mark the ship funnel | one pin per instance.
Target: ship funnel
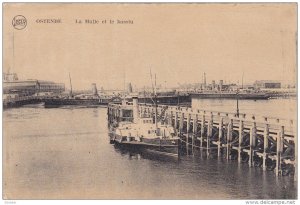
(135, 109)
(94, 89)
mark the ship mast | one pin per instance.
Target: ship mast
(155, 103)
(243, 80)
(237, 104)
(71, 91)
(144, 95)
(155, 99)
(237, 98)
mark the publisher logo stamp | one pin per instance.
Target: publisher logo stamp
(19, 22)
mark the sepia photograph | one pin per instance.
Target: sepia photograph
(148, 101)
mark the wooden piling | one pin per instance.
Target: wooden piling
(241, 135)
(167, 114)
(296, 154)
(188, 124)
(266, 142)
(279, 146)
(252, 143)
(170, 117)
(181, 122)
(209, 134)
(229, 137)
(176, 121)
(202, 130)
(220, 136)
(195, 126)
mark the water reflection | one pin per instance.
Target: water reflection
(137, 154)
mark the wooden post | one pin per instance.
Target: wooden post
(202, 130)
(176, 121)
(152, 112)
(296, 153)
(194, 131)
(241, 134)
(108, 114)
(266, 141)
(252, 143)
(229, 137)
(170, 118)
(188, 124)
(166, 117)
(279, 150)
(181, 121)
(209, 134)
(141, 111)
(220, 136)
(166, 120)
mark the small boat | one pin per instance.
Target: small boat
(145, 134)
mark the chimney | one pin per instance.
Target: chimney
(221, 85)
(213, 84)
(129, 88)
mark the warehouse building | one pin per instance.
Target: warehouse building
(11, 84)
(262, 84)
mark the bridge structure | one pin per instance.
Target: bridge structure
(266, 142)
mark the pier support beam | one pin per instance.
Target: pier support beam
(181, 122)
(296, 154)
(209, 134)
(266, 142)
(229, 138)
(241, 135)
(188, 124)
(170, 118)
(166, 117)
(279, 146)
(202, 130)
(220, 136)
(252, 143)
(195, 126)
(176, 121)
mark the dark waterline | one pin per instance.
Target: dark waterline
(65, 153)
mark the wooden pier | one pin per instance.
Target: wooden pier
(269, 143)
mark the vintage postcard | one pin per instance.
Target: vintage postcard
(150, 101)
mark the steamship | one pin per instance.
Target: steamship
(145, 134)
(231, 95)
(85, 101)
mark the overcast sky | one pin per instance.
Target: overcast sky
(178, 42)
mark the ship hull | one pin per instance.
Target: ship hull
(54, 103)
(254, 96)
(167, 100)
(164, 147)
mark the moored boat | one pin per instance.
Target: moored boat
(88, 102)
(145, 134)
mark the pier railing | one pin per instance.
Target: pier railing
(268, 142)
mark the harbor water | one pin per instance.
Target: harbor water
(65, 153)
